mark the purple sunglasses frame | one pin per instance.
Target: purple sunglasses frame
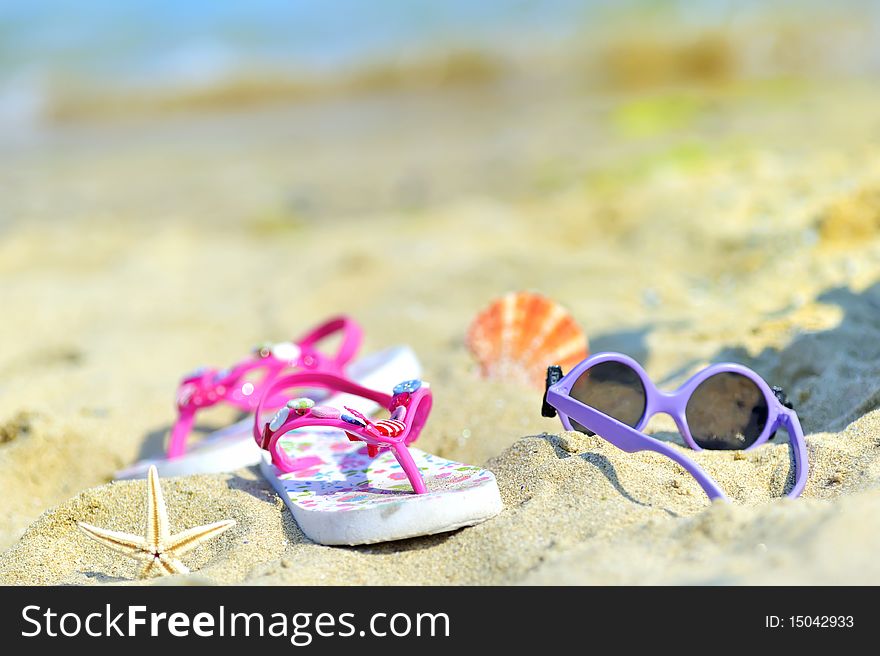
(674, 404)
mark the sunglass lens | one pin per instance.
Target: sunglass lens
(613, 388)
(727, 411)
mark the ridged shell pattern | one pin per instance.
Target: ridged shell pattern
(520, 334)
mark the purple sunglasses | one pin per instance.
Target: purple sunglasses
(725, 406)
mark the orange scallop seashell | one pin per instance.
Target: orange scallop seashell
(520, 334)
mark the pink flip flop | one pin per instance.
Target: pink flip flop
(349, 479)
(243, 386)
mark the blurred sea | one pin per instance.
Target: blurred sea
(51, 50)
(52, 46)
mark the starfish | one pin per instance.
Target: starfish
(160, 551)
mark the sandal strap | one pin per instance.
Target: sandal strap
(392, 434)
(208, 387)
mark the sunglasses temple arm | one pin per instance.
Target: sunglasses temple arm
(709, 486)
(629, 439)
(799, 446)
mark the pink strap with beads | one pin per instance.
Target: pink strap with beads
(409, 405)
(208, 387)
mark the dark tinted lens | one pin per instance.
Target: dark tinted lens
(613, 388)
(726, 411)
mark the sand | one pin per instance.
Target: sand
(134, 251)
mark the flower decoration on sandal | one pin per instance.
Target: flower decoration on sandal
(409, 407)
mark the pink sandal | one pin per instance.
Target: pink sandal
(348, 479)
(243, 386)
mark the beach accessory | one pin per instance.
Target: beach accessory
(243, 386)
(349, 479)
(518, 335)
(725, 406)
(158, 550)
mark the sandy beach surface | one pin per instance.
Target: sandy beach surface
(732, 221)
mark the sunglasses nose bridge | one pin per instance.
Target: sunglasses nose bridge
(667, 403)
